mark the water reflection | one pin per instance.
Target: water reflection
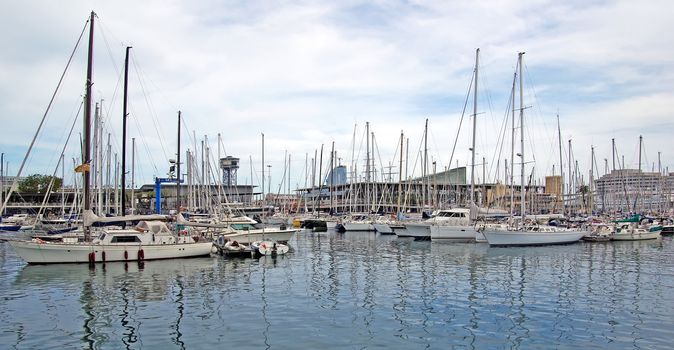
(351, 291)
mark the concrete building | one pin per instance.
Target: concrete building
(631, 190)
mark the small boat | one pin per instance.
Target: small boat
(499, 235)
(635, 228)
(244, 233)
(630, 231)
(358, 223)
(229, 247)
(269, 248)
(600, 233)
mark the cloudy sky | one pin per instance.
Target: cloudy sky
(305, 73)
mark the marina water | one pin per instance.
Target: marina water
(351, 291)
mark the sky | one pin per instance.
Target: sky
(309, 73)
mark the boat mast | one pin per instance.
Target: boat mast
(320, 180)
(400, 172)
(133, 175)
(571, 177)
(263, 210)
(332, 173)
(512, 148)
(424, 171)
(472, 150)
(367, 165)
(561, 165)
(124, 116)
(641, 140)
(178, 170)
(86, 157)
(591, 185)
(523, 189)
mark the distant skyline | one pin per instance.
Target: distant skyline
(305, 72)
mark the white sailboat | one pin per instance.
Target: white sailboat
(149, 240)
(527, 234)
(459, 225)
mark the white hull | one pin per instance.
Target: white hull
(54, 253)
(358, 226)
(251, 236)
(383, 228)
(452, 233)
(637, 236)
(420, 231)
(331, 224)
(523, 238)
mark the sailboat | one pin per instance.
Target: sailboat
(148, 240)
(522, 233)
(459, 225)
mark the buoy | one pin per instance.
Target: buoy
(103, 256)
(141, 255)
(92, 258)
(126, 255)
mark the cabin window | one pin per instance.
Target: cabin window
(125, 239)
(102, 236)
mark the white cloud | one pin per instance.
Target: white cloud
(304, 72)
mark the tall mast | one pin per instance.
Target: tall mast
(400, 172)
(523, 189)
(263, 173)
(178, 170)
(512, 147)
(99, 156)
(320, 180)
(571, 177)
(424, 179)
(86, 156)
(124, 116)
(367, 165)
(472, 150)
(133, 175)
(332, 173)
(641, 139)
(561, 165)
(591, 200)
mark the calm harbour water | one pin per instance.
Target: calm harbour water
(351, 291)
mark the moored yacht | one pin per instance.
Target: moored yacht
(148, 240)
(457, 227)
